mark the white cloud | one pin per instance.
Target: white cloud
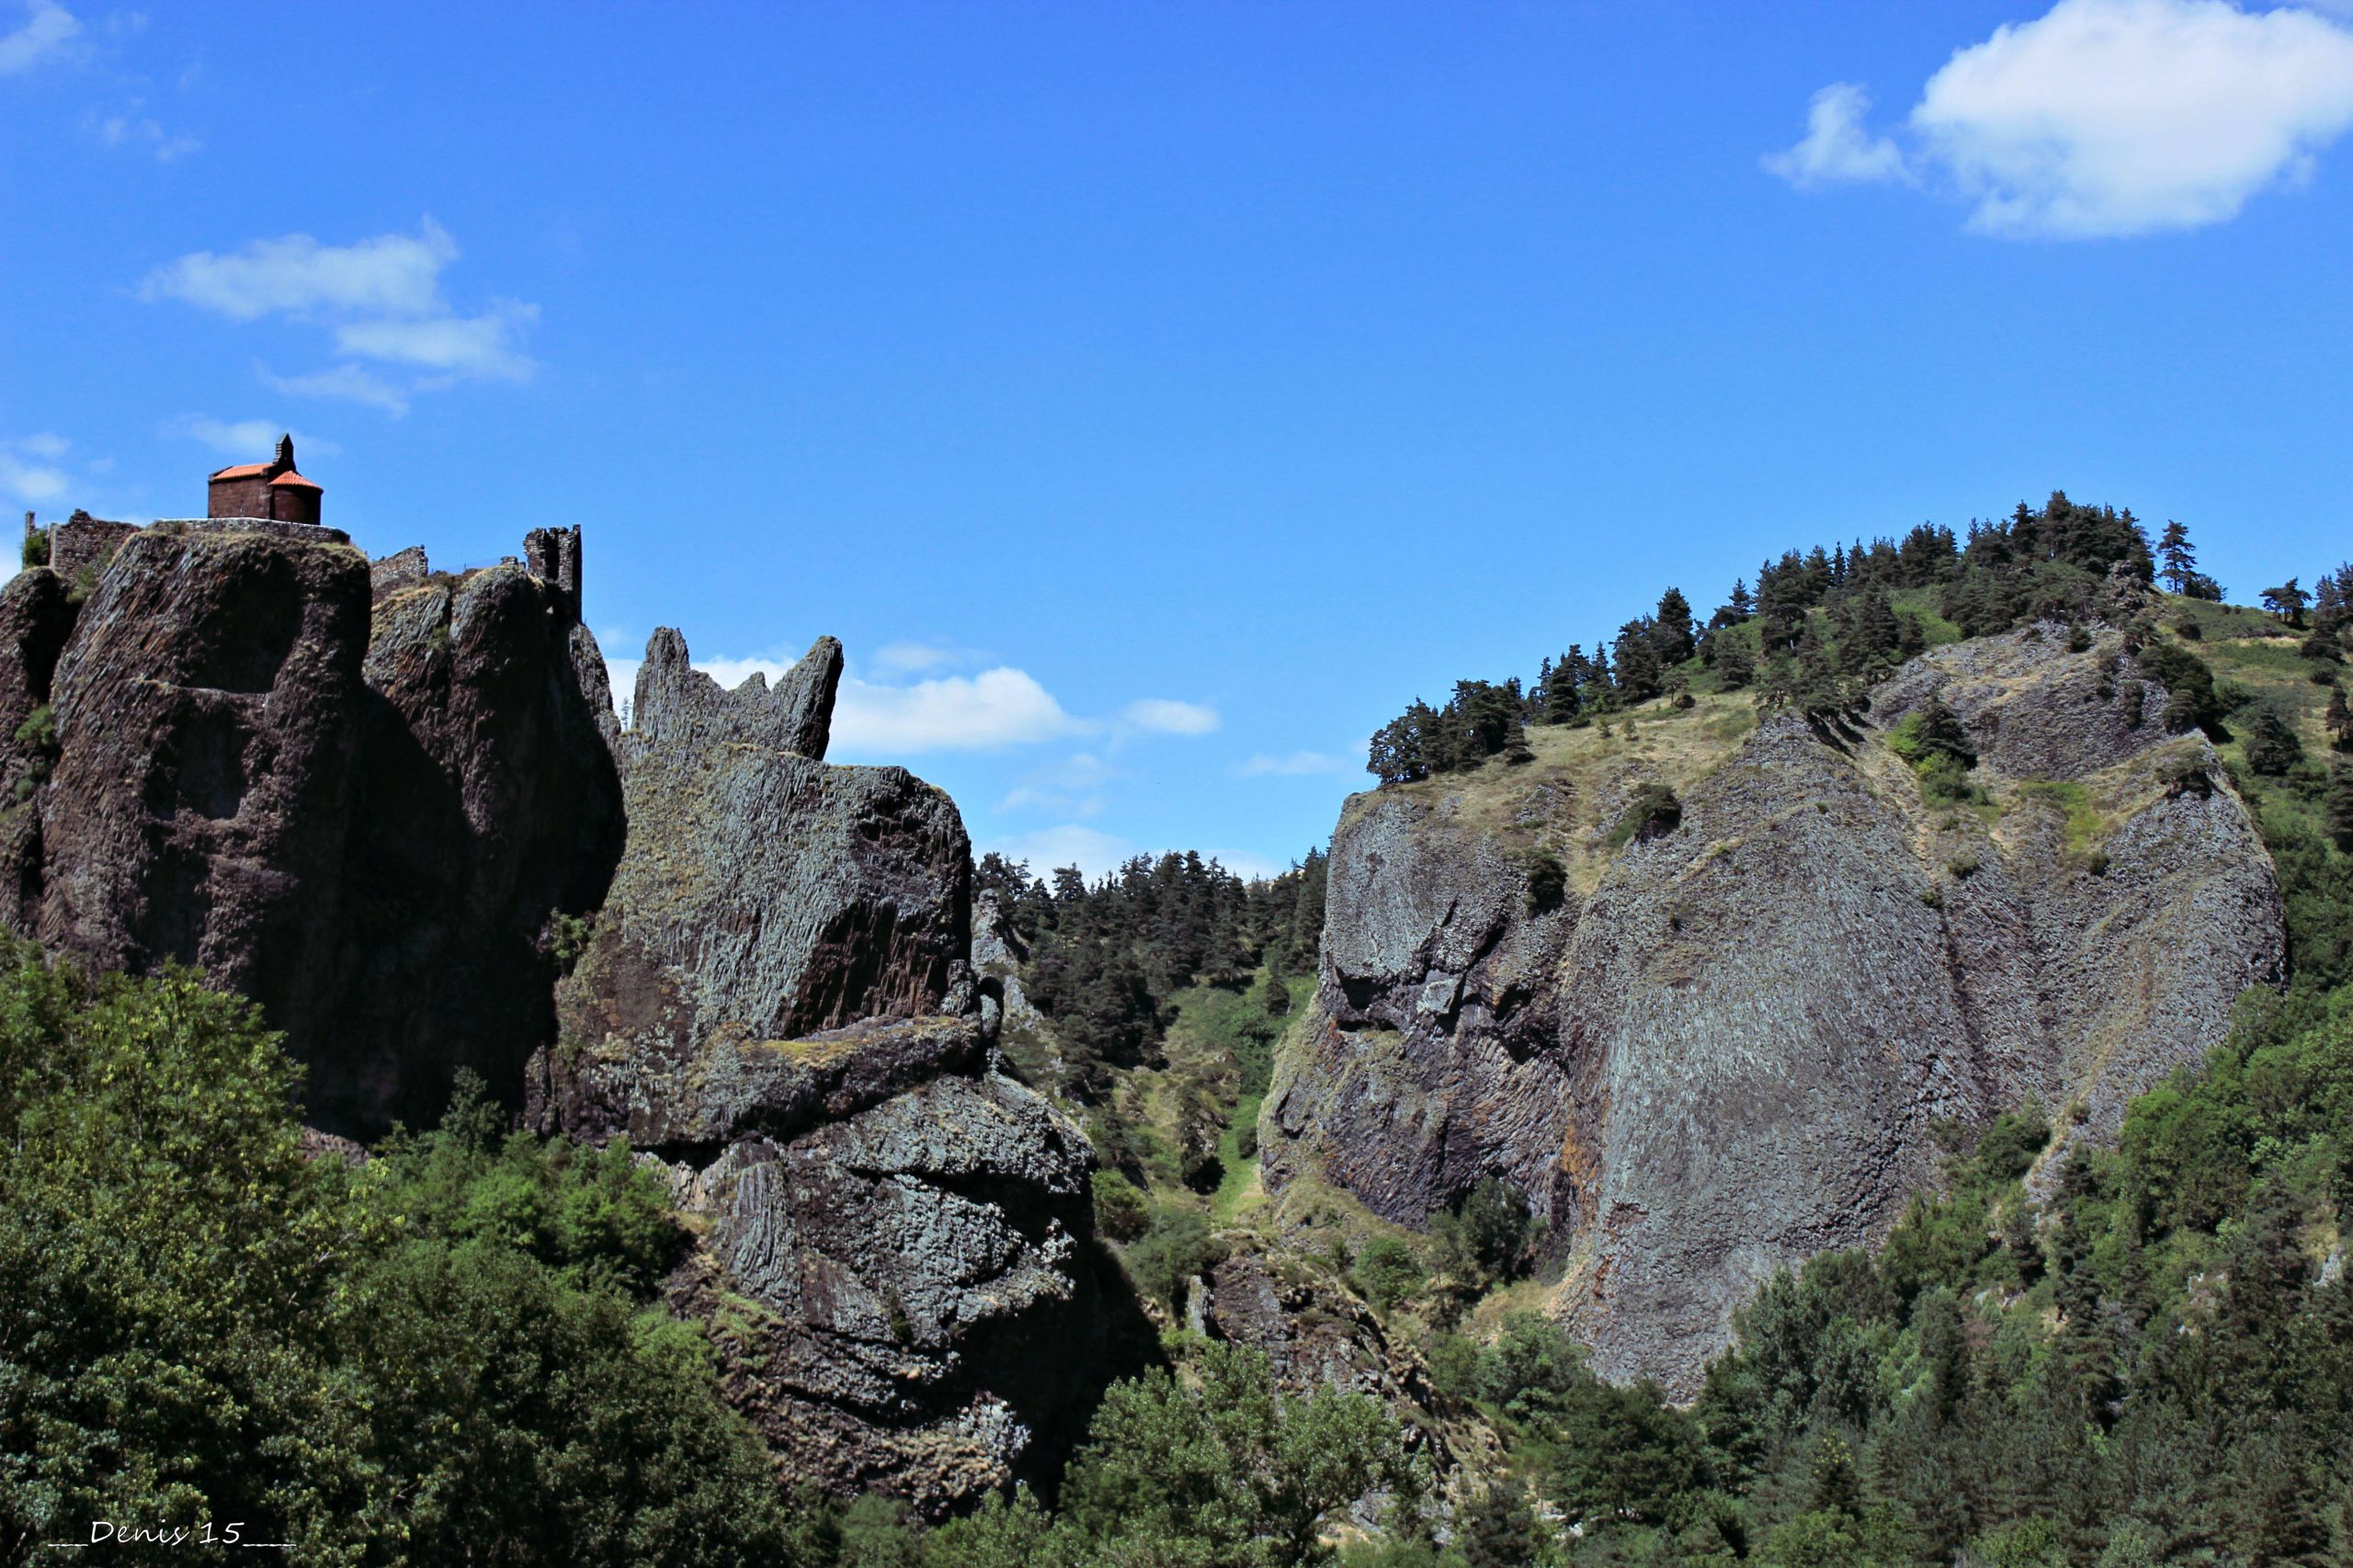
(355, 383)
(996, 708)
(391, 275)
(380, 299)
(130, 128)
(1164, 716)
(486, 346)
(2109, 117)
(34, 482)
(48, 27)
(913, 658)
(43, 444)
(2120, 116)
(1295, 764)
(1835, 148)
(248, 439)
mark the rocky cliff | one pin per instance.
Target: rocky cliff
(897, 1244)
(394, 807)
(1726, 1046)
(363, 810)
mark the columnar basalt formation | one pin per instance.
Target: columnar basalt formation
(778, 1002)
(1724, 1051)
(360, 798)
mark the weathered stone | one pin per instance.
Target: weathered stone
(365, 823)
(207, 713)
(1727, 1055)
(396, 572)
(907, 1298)
(486, 805)
(777, 1002)
(678, 709)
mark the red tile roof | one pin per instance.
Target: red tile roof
(242, 470)
(291, 477)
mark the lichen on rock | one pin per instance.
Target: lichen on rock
(1723, 1052)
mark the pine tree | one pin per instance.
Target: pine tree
(1735, 667)
(1671, 628)
(1639, 668)
(2340, 804)
(2286, 601)
(1562, 701)
(2179, 556)
(2272, 745)
(2339, 719)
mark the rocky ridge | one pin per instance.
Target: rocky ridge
(777, 1004)
(1727, 1047)
(394, 806)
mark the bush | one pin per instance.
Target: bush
(1122, 1211)
(1178, 1249)
(1386, 1272)
(2192, 701)
(36, 551)
(1548, 882)
(1653, 812)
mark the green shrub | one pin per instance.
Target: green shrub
(1653, 812)
(1178, 1249)
(1547, 881)
(1386, 1272)
(1121, 1210)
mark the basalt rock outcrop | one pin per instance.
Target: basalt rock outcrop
(777, 1003)
(363, 810)
(1725, 1048)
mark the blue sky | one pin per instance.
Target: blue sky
(1156, 398)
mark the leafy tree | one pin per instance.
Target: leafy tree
(1210, 1466)
(1387, 1271)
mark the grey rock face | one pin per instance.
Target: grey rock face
(677, 708)
(1726, 1056)
(924, 1316)
(485, 805)
(777, 1003)
(356, 801)
(207, 710)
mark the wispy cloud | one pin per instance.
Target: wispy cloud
(1090, 849)
(380, 300)
(131, 127)
(487, 346)
(28, 468)
(355, 383)
(915, 658)
(1071, 788)
(1295, 764)
(1097, 853)
(47, 29)
(2108, 117)
(247, 438)
(1837, 148)
(1165, 716)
